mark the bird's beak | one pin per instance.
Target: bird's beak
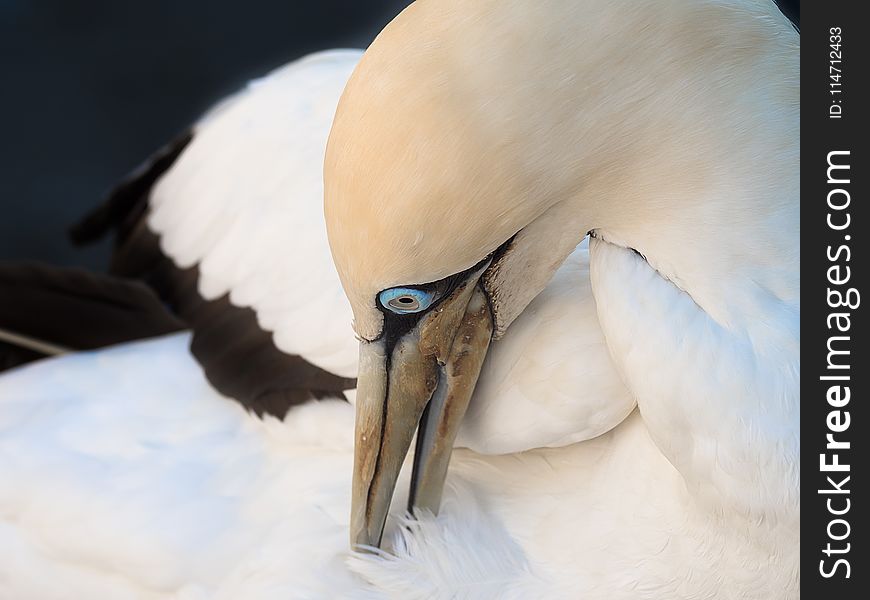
(423, 378)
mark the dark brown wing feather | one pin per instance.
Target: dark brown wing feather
(75, 309)
(12, 356)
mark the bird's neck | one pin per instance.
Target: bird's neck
(681, 142)
(698, 170)
(684, 147)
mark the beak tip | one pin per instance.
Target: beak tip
(365, 540)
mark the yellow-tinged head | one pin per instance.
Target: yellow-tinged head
(478, 142)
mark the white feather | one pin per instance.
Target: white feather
(124, 475)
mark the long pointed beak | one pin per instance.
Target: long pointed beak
(424, 378)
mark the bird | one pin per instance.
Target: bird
(473, 149)
(478, 145)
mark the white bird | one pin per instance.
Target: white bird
(473, 149)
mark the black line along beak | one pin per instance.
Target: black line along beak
(421, 382)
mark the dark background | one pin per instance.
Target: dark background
(91, 87)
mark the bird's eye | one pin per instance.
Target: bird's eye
(406, 300)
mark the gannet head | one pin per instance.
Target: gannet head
(473, 148)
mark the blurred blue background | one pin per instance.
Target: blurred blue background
(91, 87)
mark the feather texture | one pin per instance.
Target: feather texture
(170, 491)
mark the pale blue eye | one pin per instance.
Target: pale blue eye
(406, 300)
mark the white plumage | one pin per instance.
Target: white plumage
(104, 495)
